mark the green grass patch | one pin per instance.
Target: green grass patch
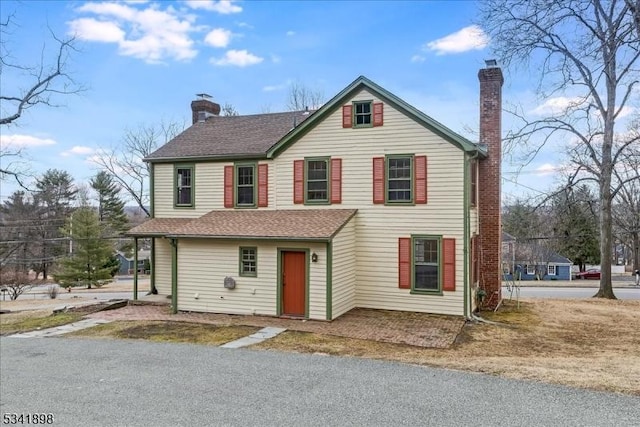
(21, 322)
(168, 331)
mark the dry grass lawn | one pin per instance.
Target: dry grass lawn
(195, 333)
(583, 343)
(14, 323)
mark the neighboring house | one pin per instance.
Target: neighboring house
(127, 264)
(532, 261)
(366, 202)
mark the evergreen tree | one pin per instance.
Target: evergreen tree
(110, 207)
(91, 253)
(54, 196)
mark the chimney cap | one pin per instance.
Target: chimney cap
(491, 63)
(203, 96)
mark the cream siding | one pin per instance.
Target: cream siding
(344, 270)
(204, 263)
(379, 226)
(163, 266)
(209, 189)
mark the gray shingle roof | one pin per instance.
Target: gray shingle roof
(229, 136)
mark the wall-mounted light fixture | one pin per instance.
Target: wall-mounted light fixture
(314, 257)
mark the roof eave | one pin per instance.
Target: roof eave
(236, 237)
(218, 158)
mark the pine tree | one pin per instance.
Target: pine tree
(110, 207)
(91, 252)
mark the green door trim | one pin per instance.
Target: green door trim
(306, 285)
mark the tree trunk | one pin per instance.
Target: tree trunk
(636, 251)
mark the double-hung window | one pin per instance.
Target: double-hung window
(551, 270)
(245, 185)
(426, 264)
(249, 262)
(184, 181)
(399, 179)
(317, 183)
(362, 114)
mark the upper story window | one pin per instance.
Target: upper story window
(317, 182)
(362, 113)
(184, 179)
(245, 185)
(399, 179)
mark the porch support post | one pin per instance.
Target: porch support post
(174, 275)
(135, 268)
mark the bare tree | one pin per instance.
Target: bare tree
(302, 97)
(43, 82)
(229, 110)
(626, 210)
(586, 51)
(15, 281)
(124, 162)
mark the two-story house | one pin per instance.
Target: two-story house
(366, 202)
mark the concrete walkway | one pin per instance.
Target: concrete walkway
(61, 330)
(262, 335)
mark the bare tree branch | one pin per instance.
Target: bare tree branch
(583, 49)
(124, 162)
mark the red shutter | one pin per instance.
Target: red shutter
(263, 185)
(336, 180)
(378, 180)
(377, 114)
(449, 264)
(404, 263)
(347, 120)
(298, 181)
(228, 186)
(421, 179)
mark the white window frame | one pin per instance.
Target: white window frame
(531, 270)
(552, 270)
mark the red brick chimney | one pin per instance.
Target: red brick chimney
(204, 108)
(489, 200)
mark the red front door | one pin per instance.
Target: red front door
(293, 283)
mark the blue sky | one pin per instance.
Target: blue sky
(142, 62)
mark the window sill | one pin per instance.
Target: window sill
(248, 275)
(426, 292)
(184, 206)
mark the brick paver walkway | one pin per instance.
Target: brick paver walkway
(418, 329)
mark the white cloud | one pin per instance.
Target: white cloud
(78, 150)
(238, 58)
(626, 111)
(291, 33)
(273, 88)
(245, 25)
(546, 169)
(219, 37)
(98, 31)
(148, 33)
(418, 58)
(224, 7)
(468, 38)
(557, 106)
(18, 140)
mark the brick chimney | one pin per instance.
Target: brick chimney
(203, 108)
(489, 200)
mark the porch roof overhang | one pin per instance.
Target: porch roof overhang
(290, 224)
